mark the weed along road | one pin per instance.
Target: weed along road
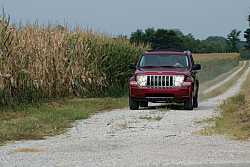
(148, 137)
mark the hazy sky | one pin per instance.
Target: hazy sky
(199, 17)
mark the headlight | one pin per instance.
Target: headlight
(178, 80)
(141, 80)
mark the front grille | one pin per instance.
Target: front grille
(160, 81)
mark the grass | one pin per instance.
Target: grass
(52, 118)
(207, 84)
(215, 64)
(234, 120)
(221, 89)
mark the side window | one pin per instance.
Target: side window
(140, 60)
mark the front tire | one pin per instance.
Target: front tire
(144, 104)
(189, 104)
(133, 104)
(195, 102)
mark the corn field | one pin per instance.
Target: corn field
(216, 56)
(46, 62)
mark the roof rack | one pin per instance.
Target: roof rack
(169, 49)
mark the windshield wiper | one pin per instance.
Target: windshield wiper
(161, 67)
(168, 66)
(172, 67)
(148, 66)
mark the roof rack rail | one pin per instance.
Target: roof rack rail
(167, 49)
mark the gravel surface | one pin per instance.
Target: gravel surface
(121, 138)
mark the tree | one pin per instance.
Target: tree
(137, 37)
(149, 35)
(161, 38)
(217, 44)
(167, 39)
(189, 42)
(175, 39)
(247, 35)
(233, 38)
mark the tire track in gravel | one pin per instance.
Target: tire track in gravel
(210, 89)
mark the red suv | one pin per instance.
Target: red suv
(164, 77)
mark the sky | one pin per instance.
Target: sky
(202, 18)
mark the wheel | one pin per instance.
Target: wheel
(144, 104)
(189, 105)
(195, 102)
(133, 105)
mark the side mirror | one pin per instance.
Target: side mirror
(132, 66)
(196, 67)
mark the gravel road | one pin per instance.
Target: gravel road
(147, 138)
(213, 87)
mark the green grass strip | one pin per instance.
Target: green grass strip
(223, 88)
(53, 118)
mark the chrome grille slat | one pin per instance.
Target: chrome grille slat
(152, 81)
(160, 81)
(155, 80)
(173, 81)
(168, 81)
(163, 81)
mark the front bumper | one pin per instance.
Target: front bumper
(169, 95)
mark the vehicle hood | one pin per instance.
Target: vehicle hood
(163, 71)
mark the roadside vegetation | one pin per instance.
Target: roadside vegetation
(48, 75)
(215, 64)
(206, 85)
(40, 63)
(37, 121)
(234, 120)
(225, 86)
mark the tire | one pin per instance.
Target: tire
(189, 105)
(195, 102)
(133, 105)
(144, 104)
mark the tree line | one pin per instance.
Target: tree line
(247, 35)
(175, 39)
(245, 52)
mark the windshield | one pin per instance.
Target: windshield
(176, 61)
